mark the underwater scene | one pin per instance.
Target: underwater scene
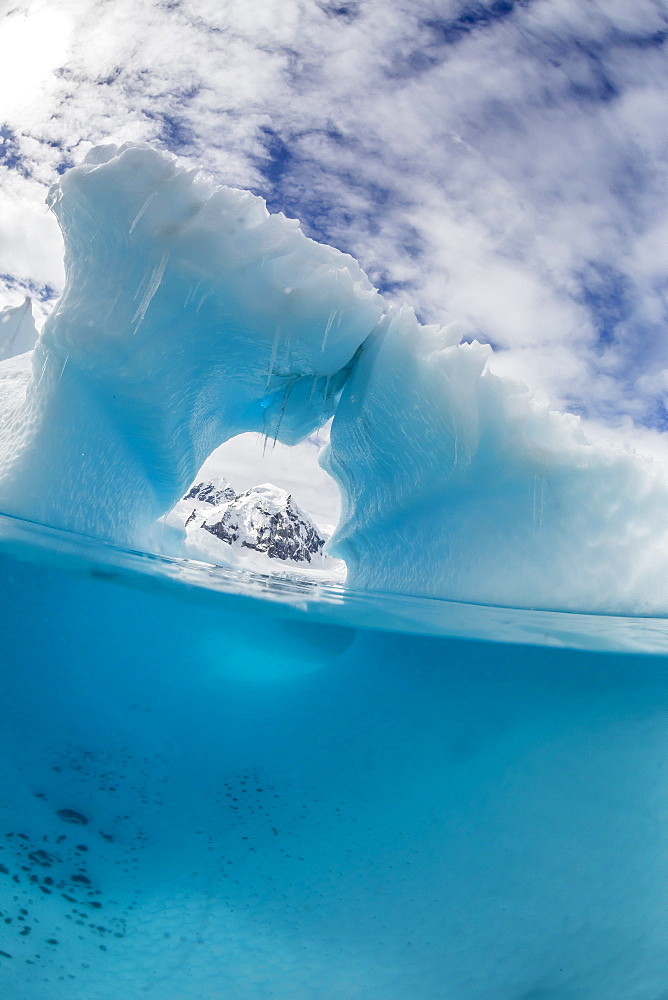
(222, 785)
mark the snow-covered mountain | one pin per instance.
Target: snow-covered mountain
(199, 501)
(262, 529)
(211, 494)
(266, 519)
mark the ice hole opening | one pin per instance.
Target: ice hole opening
(263, 505)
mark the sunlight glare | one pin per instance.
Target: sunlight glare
(33, 44)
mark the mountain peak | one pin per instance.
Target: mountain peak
(266, 519)
(213, 493)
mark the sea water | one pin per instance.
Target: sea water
(215, 786)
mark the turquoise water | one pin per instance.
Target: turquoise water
(225, 787)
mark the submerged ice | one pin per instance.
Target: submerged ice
(190, 315)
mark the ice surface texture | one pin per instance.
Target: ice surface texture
(191, 315)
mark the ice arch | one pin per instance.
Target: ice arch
(190, 314)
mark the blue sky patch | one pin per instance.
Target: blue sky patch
(10, 155)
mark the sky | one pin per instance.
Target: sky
(500, 163)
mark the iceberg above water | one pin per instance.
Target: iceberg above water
(191, 315)
(18, 332)
(457, 483)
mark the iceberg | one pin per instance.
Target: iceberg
(457, 483)
(217, 784)
(18, 332)
(191, 315)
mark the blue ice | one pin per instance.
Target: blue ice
(289, 791)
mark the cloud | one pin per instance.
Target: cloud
(33, 43)
(30, 244)
(495, 162)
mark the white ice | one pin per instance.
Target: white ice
(17, 330)
(459, 484)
